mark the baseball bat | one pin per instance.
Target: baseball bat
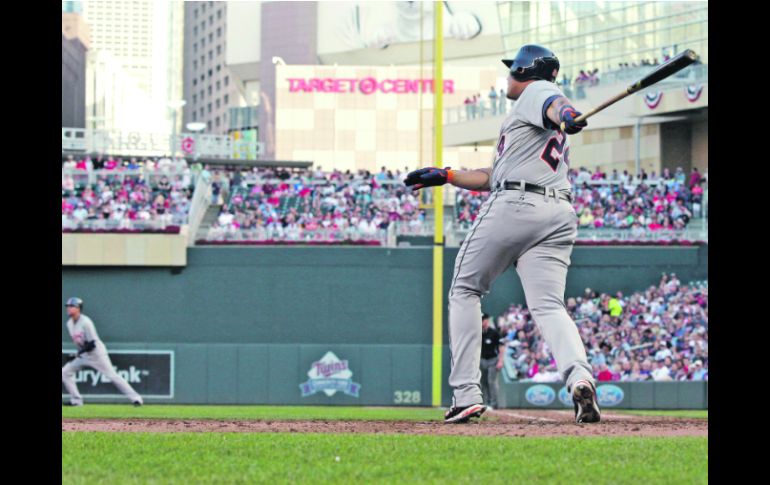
(671, 66)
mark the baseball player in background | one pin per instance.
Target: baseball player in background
(527, 221)
(91, 353)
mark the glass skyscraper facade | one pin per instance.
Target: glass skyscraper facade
(602, 35)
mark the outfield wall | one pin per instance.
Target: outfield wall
(367, 375)
(246, 325)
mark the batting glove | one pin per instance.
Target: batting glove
(428, 177)
(567, 115)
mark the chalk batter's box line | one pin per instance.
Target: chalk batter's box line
(148, 352)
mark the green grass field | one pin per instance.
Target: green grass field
(171, 458)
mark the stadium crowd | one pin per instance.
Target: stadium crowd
(620, 201)
(264, 203)
(111, 193)
(659, 334)
(313, 205)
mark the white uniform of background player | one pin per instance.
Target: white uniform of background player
(91, 353)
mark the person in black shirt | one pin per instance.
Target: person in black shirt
(492, 354)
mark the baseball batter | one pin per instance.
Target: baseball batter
(528, 221)
(91, 353)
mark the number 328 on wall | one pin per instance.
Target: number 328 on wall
(406, 397)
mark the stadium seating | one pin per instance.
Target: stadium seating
(126, 197)
(657, 334)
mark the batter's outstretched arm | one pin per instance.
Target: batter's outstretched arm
(433, 176)
(472, 179)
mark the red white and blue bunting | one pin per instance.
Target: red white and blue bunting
(693, 92)
(652, 99)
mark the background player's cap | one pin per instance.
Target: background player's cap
(74, 301)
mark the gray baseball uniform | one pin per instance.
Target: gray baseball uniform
(81, 332)
(533, 232)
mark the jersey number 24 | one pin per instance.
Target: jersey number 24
(554, 151)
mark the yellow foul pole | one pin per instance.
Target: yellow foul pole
(438, 203)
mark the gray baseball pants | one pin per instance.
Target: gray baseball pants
(99, 360)
(535, 233)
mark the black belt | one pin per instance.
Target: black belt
(534, 188)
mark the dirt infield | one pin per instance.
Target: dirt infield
(504, 423)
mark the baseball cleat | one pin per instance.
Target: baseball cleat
(463, 415)
(586, 407)
(137, 404)
(71, 404)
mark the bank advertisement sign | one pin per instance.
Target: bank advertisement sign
(149, 372)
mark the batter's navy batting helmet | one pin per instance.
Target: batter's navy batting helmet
(533, 62)
(75, 301)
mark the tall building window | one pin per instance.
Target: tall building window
(219, 14)
(208, 124)
(210, 73)
(195, 47)
(195, 64)
(216, 120)
(209, 108)
(195, 14)
(203, 42)
(195, 116)
(195, 98)
(195, 82)
(219, 31)
(211, 55)
(227, 80)
(227, 99)
(218, 67)
(219, 50)
(209, 90)
(219, 85)
(211, 37)
(211, 20)
(217, 103)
